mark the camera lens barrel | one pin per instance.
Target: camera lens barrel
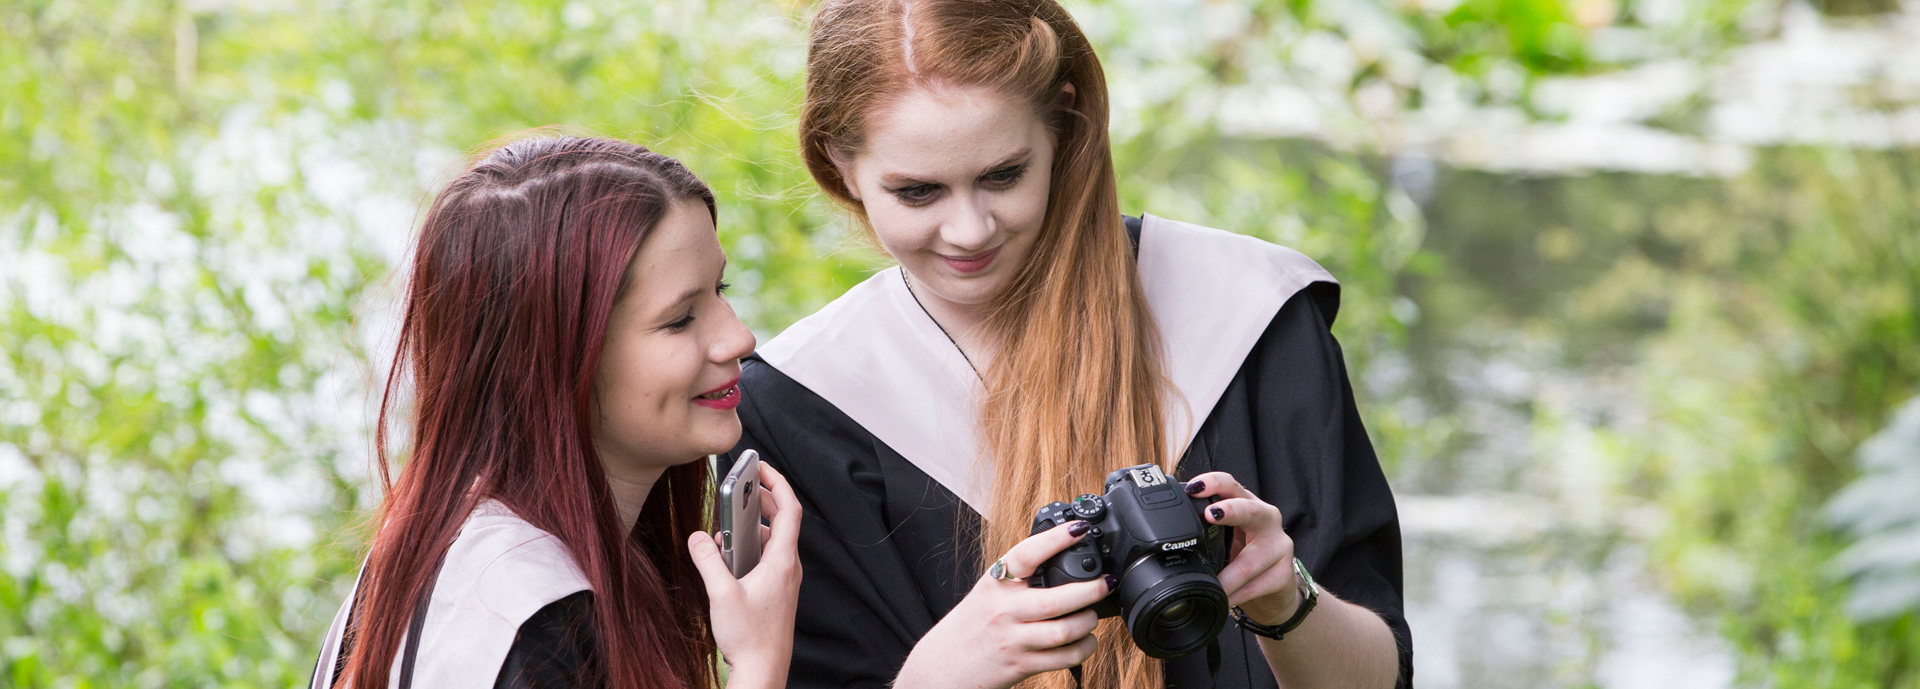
(1172, 604)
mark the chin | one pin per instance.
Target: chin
(718, 437)
(970, 290)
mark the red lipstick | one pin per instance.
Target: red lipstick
(971, 264)
(723, 398)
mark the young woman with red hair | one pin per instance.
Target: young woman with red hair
(1032, 340)
(573, 362)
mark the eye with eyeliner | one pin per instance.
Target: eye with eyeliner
(1005, 177)
(680, 324)
(916, 194)
(922, 194)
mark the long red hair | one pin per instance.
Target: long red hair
(515, 273)
(1054, 425)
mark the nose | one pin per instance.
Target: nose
(971, 225)
(735, 341)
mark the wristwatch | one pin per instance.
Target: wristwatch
(1309, 594)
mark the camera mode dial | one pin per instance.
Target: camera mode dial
(1089, 507)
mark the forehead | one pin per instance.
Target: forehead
(682, 250)
(927, 132)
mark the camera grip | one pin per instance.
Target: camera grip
(1078, 562)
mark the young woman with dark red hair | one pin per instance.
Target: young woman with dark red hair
(573, 361)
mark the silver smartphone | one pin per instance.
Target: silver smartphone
(736, 515)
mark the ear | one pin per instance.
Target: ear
(1068, 96)
(845, 168)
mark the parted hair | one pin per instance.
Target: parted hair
(1075, 388)
(515, 274)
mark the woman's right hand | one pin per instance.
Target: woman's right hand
(1004, 631)
(752, 616)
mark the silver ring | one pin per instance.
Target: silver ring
(999, 571)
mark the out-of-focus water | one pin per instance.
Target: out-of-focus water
(1560, 609)
(1523, 568)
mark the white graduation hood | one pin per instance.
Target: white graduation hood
(878, 357)
(499, 572)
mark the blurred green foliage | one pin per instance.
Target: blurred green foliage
(1766, 325)
(202, 206)
(1795, 313)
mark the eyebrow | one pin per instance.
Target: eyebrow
(896, 179)
(690, 294)
(686, 297)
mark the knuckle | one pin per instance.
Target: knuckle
(1060, 635)
(998, 613)
(1085, 648)
(1013, 648)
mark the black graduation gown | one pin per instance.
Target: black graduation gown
(887, 551)
(554, 649)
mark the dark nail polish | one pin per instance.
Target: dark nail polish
(1078, 529)
(1216, 512)
(1194, 487)
(1113, 582)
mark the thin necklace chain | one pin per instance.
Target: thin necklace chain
(936, 324)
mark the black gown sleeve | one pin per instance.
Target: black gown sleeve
(554, 649)
(1288, 429)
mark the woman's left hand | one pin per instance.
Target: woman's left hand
(752, 616)
(1259, 574)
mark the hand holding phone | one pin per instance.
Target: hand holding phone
(737, 515)
(752, 615)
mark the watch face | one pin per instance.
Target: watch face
(1306, 580)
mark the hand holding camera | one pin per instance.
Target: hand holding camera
(1260, 577)
(1180, 562)
(1170, 559)
(1005, 631)
(1151, 536)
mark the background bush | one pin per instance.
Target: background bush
(201, 206)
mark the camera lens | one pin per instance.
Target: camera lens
(1187, 623)
(1172, 604)
(1176, 614)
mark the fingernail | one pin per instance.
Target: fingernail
(1078, 529)
(1113, 582)
(1217, 512)
(1194, 487)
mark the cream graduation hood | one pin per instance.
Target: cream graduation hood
(878, 357)
(499, 571)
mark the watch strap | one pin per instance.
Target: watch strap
(1309, 595)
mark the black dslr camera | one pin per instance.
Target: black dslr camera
(1149, 533)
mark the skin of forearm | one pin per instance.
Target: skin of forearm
(1339, 646)
(757, 677)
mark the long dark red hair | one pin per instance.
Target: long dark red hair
(517, 268)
